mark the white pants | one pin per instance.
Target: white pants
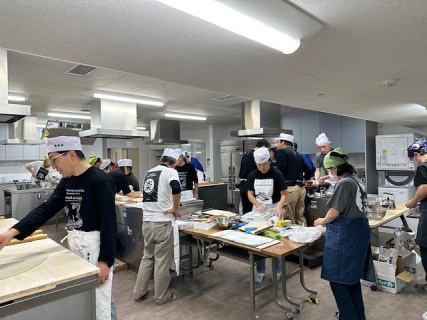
(87, 246)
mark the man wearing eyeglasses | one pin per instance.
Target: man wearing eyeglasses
(87, 195)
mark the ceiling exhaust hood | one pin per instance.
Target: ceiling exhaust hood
(9, 113)
(165, 132)
(113, 119)
(22, 132)
(260, 119)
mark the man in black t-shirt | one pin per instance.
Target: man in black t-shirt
(295, 171)
(247, 165)
(122, 184)
(266, 186)
(125, 165)
(87, 195)
(187, 176)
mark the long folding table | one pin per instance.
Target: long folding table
(208, 242)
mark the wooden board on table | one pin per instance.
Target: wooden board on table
(221, 213)
(261, 227)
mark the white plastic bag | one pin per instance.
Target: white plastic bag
(305, 235)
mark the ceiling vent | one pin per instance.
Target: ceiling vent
(80, 70)
(226, 97)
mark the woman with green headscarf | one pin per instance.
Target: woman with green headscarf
(347, 250)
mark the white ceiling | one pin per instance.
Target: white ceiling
(144, 47)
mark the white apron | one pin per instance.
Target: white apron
(87, 246)
(176, 251)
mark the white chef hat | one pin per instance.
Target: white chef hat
(286, 137)
(173, 153)
(261, 155)
(105, 163)
(124, 163)
(321, 139)
(63, 143)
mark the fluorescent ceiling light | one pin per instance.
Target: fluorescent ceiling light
(232, 20)
(147, 101)
(141, 128)
(68, 115)
(184, 116)
(16, 97)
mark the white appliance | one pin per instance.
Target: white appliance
(391, 152)
(401, 195)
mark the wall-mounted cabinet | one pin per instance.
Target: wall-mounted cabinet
(348, 133)
(31, 152)
(310, 129)
(14, 152)
(353, 135)
(22, 152)
(331, 125)
(2, 153)
(42, 150)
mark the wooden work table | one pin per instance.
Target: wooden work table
(244, 253)
(61, 280)
(390, 215)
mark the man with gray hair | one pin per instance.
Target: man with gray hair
(324, 146)
(161, 198)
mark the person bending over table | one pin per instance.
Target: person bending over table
(266, 185)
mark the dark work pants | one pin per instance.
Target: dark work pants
(423, 251)
(349, 301)
(246, 204)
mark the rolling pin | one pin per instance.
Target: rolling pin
(29, 239)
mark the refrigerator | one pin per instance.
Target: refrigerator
(231, 157)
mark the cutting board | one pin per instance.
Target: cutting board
(261, 227)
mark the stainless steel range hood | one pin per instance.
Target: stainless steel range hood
(22, 132)
(9, 113)
(260, 119)
(165, 132)
(113, 119)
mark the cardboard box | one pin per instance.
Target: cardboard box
(413, 264)
(392, 278)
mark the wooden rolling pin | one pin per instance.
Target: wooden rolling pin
(29, 239)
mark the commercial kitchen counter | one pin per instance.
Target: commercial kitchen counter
(50, 290)
(130, 240)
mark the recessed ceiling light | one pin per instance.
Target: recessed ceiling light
(68, 115)
(184, 116)
(136, 99)
(16, 97)
(254, 28)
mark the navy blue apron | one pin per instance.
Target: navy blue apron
(347, 255)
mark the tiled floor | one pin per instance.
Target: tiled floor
(223, 293)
